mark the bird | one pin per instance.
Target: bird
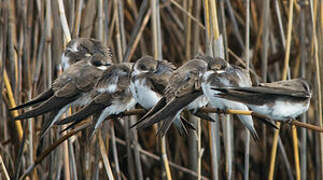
(79, 48)
(281, 100)
(71, 88)
(111, 96)
(183, 91)
(149, 79)
(222, 74)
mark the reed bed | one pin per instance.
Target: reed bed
(275, 40)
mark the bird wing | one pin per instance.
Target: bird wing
(294, 87)
(182, 83)
(169, 111)
(156, 84)
(40, 98)
(99, 102)
(237, 94)
(87, 78)
(160, 104)
(51, 104)
(61, 97)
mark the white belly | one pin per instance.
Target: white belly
(198, 103)
(214, 101)
(115, 108)
(143, 94)
(281, 110)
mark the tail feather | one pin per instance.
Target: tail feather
(40, 98)
(165, 126)
(81, 115)
(187, 124)
(163, 114)
(248, 123)
(97, 121)
(267, 121)
(254, 135)
(180, 126)
(50, 105)
(169, 111)
(203, 115)
(160, 104)
(49, 120)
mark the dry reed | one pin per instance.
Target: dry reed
(34, 33)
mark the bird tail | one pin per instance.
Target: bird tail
(51, 119)
(166, 124)
(40, 98)
(97, 122)
(180, 126)
(248, 123)
(168, 112)
(160, 104)
(203, 115)
(50, 105)
(246, 120)
(187, 124)
(81, 115)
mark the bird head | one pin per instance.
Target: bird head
(80, 48)
(215, 64)
(146, 64)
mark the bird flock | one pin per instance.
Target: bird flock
(105, 90)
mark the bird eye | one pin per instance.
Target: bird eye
(125, 70)
(97, 63)
(143, 67)
(67, 51)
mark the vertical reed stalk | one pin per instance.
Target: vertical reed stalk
(318, 74)
(12, 104)
(247, 150)
(3, 169)
(284, 75)
(157, 52)
(61, 10)
(303, 58)
(115, 152)
(105, 157)
(67, 38)
(199, 150)
(217, 44)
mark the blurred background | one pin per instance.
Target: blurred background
(279, 39)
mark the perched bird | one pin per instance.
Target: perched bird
(111, 96)
(222, 74)
(182, 91)
(79, 48)
(281, 100)
(71, 88)
(148, 82)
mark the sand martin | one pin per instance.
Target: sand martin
(281, 100)
(111, 96)
(79, 48)
(183, 91)
(222, 74)
(148, 82)
(71, 88)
